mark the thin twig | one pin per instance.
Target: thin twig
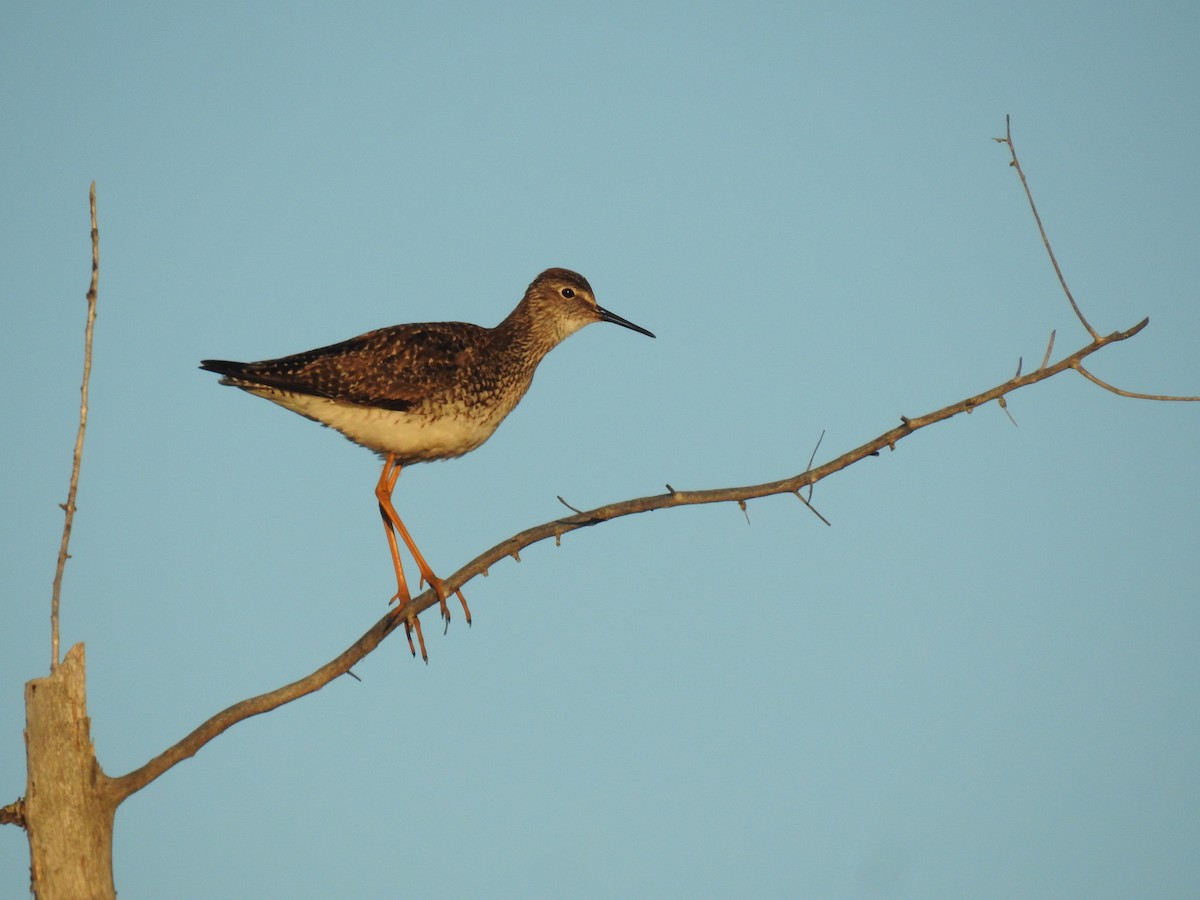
(1078, 367)
(69, 506)
(1007, 139)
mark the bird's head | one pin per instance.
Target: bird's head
(563, 302)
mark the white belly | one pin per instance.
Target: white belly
(412, 437)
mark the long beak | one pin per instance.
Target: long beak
(606, 316)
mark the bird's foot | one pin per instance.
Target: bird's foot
(414, 624)
(439, 588)
(411, 624)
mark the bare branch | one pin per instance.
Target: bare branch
(69, 506)
(1078, 367)
(122, 787)
(119, 788)
(1016, 163)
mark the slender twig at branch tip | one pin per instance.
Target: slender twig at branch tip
(69, 507)
(1049, 348)
(800, 497)
(1078, 367)
(1020, 362)
(569, 506)
(1004, 406)
(1037, 218)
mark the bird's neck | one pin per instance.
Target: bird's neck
(526, 335)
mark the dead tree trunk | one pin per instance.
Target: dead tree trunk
(68, 808)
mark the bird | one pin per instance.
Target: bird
(421, 392)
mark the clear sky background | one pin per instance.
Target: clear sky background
(982, 681)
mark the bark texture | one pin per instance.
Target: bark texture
(68, 810)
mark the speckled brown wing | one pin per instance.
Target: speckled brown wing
(390, 368)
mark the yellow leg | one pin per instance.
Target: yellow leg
(392, 523)
(402, 596)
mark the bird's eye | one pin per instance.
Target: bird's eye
(568, 292)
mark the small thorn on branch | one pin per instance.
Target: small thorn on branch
(1049, 347)
(813, 456)
(812, 508)
(745, 512)
(569, 506)
(1004, 406)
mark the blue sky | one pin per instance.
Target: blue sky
(981, 681)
